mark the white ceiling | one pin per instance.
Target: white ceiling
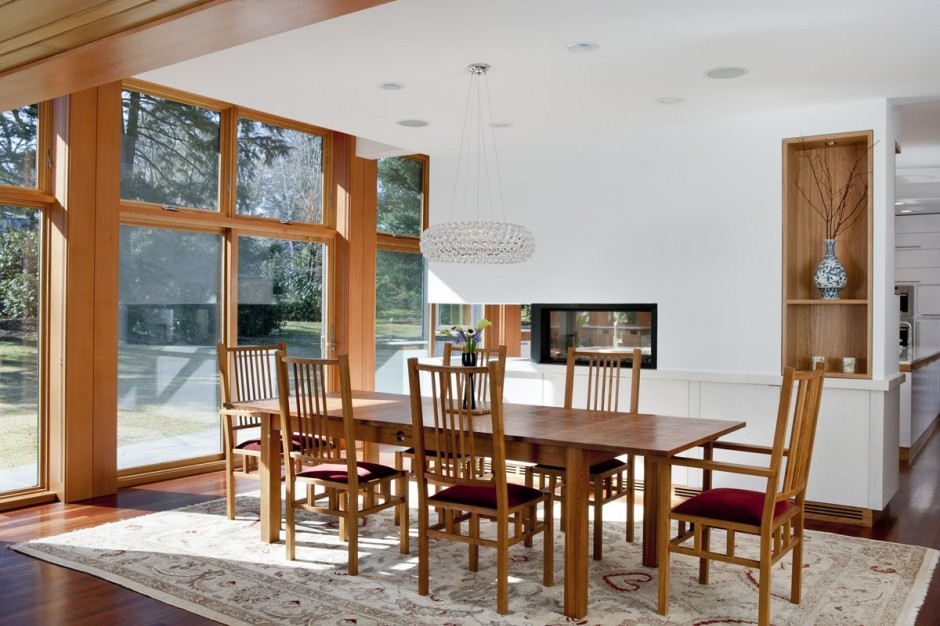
(800, 53)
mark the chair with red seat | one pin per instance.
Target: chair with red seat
(246, 373)
(329, 469)
(774, 514)
(612, 479)
(447, 462)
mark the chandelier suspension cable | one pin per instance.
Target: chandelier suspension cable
(476, 239)
(499, 178)
(464, 132)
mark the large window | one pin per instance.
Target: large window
(400, 329)
(18, 146)
(400, 196)
(177, 264)
(280, 294)
(168, 327)
(19, 347)
(169, 152)
(280, 172)
(400, 274)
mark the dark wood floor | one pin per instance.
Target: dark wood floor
(34, 592)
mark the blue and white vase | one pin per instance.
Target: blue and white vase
(830, 276)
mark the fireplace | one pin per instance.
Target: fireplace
(611, 328)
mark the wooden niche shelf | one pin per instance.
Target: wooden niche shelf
(813, 326)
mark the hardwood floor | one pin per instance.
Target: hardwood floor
(34, 592)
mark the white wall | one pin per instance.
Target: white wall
(688, 217)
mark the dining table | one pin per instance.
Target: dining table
(571, 438)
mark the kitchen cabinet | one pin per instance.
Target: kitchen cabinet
(928, 303)
(927, 332)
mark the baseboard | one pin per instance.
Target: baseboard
(909, 454)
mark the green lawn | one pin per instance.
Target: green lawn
(19, 400)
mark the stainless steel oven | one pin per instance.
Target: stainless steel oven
(906, 300)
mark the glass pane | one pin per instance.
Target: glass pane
(449, 315)
(400, 196)
(168, 327)
(280, 173)
(280, 294)
(400, 303)
(19, 347)
(526, 337)
(169, 152)
(19, 129)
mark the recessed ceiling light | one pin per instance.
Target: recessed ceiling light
(502, 125)
(670, 100)
(722, 73)
(907, 210)
(392, 86)
(898, 203)
(413, 123)
(582, 46)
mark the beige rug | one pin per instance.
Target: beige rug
(196, 559)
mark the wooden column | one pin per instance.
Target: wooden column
(83, 300)
(355, 264)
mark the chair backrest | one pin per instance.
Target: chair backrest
(453, 430)
(603, 387)
(797, 417)
(484, 356)
(305, 413)
(248, 372)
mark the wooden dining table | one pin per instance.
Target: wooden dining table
(572, 438)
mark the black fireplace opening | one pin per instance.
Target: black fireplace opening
(615, 328)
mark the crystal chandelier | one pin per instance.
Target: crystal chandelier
(480, 240)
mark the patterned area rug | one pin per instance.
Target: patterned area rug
(198, 560)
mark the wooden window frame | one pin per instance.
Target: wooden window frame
(230, 225)
(42, 199)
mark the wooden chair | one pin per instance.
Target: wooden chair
(246, 373)
(775, 514)
(613, 479)
(466, 494)
(480, 385)
(325, 463)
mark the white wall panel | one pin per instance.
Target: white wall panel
(687, 216)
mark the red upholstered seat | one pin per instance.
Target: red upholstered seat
(730, 505)
(486, 496)
(337, 472)
(254, 445)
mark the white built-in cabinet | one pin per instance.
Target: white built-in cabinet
(917, 250)
(928, 300)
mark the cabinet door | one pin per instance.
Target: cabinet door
(928, 300)
(927, 332)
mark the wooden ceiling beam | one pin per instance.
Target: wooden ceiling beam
(202, 29)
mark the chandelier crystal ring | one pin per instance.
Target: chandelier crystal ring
(478, 186)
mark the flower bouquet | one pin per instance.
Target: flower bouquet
(466, 337)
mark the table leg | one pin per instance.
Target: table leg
(370, 452)
(270, 470)
(576, 534)
(651, 478)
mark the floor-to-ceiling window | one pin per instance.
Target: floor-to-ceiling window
(222, 239)
(169, 314)
(19, 347)
(400, 275)
(20, 302)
